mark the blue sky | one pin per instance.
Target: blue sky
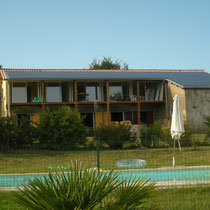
(146, 34)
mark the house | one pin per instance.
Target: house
(140, 96)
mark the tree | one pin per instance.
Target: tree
(108, 63)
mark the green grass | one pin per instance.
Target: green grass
(183, 198)
(35, 161)
(177, 198)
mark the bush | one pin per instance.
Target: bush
(159, 135)
(13, 134)
(61, 129)
(207, 121)
(8, 130)
(26, 132)
(116, 136)
(165, 135)
(90, 143)
(150, 134)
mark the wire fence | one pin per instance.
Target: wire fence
(183, 186)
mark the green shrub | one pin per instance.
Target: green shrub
(165, 135)
(186, 138)
(116, 136)
(159, 135)
(16, 135)
(8, 130)
(90, 143)
(150, 134)
(26, 132)
(207, 121)
(61, 129)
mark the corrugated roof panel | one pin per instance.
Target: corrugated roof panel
(184, 78)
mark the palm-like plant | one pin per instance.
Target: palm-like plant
(82, 188)
(132, 193)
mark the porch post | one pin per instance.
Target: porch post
(166, 100)
(43, 96)
(138, 103)
(108, 103)
(75, 96)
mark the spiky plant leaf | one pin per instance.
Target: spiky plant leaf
(131, 194)
(79, 188)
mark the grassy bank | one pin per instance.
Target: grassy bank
(179, 198)
(35, 161)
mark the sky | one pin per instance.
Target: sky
(69, 34)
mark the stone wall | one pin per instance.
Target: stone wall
(197, 107)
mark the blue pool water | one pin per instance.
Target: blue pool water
(154, 175)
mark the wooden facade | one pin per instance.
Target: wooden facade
(107, 109)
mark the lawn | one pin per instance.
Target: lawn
(35, 161)
(178, 198)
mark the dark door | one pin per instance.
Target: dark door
(88, 119)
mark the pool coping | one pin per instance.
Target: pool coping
(159, 185)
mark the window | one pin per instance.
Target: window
(115, 92)
(151, 91)
(53, 92)
(127, 94)
(92, 90)
(32, 91)
(19, 93)
(67, 92)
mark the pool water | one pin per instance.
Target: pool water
(155, 175)
(170, 175)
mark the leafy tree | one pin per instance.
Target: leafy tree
(61, 129)
(108, 63)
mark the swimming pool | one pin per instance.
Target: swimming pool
(156, 175)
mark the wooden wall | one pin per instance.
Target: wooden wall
(172, 91)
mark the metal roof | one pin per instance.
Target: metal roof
(184, 78)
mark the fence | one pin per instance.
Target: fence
(185, 186)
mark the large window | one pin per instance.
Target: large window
(90, 91)
(33, 91)
(53, 92)
(25, 92)
(151, 91)
(115, 91)
(67, 92)
(19, 93)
